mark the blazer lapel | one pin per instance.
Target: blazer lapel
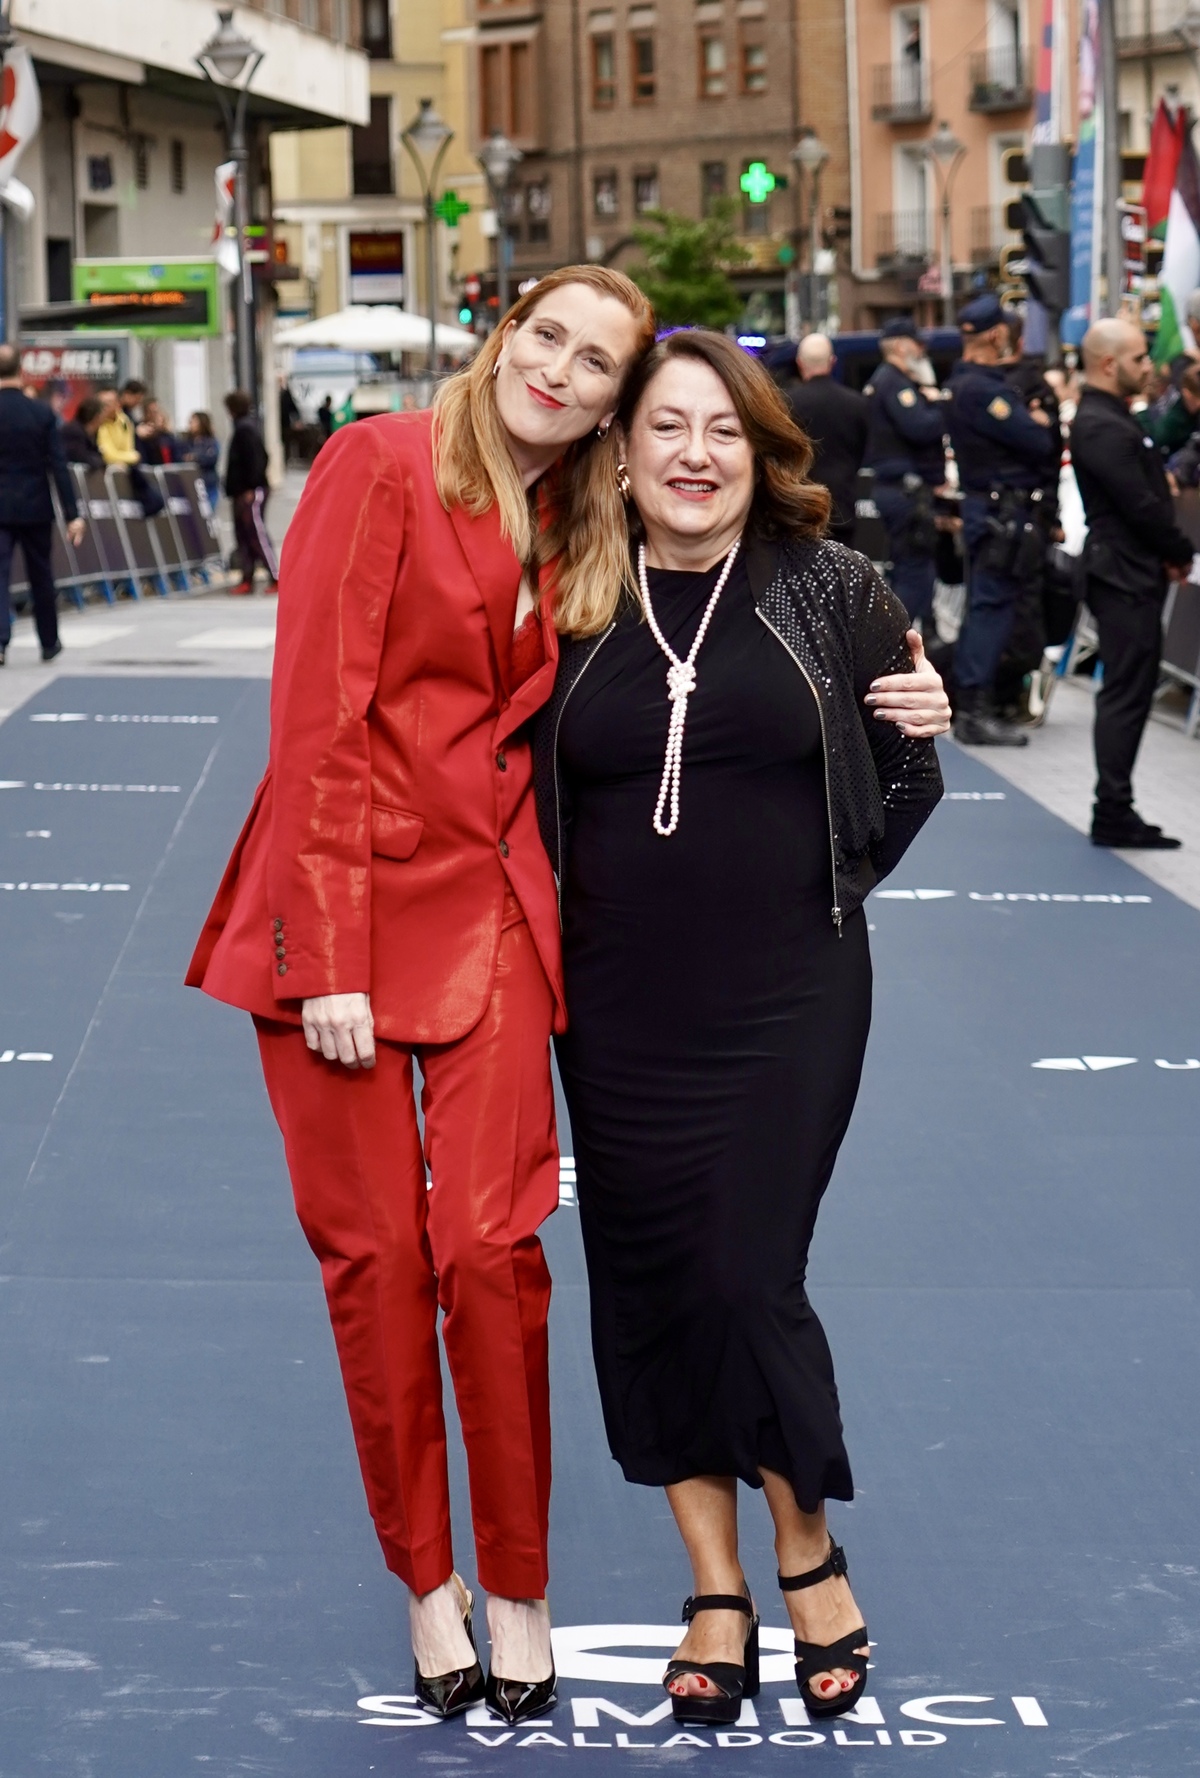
(497, 574)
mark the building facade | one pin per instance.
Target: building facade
(912, 65)
(123, 164)
(349, 201)
(623, 109)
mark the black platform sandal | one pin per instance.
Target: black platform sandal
(734, 1683)
(814, 1657)
(449, 1694)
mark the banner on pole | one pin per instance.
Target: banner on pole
(1084, 237)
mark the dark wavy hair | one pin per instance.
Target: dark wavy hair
(786, 503)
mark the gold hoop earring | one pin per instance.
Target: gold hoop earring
(624, 485)
(602, 431)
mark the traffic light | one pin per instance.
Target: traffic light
(1047, 256)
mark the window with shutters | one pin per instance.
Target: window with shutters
(712, 66)
(752, 59)
(604, 71)
(606, 195)
(371, 151)
(645, 79)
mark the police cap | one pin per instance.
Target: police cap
(900, 327)
(983, 313)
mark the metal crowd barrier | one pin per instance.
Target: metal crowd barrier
(124, 551)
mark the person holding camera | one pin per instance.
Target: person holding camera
(1005, 452)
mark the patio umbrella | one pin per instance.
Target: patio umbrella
(377, 327)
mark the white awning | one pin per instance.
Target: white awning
(377, 327)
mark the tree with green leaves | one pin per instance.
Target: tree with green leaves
(685, 269)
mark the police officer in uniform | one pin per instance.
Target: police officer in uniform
(906, 424)
(1005, 453)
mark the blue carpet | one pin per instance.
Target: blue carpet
(1006, 1265)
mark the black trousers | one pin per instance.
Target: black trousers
(35, 547)
(1130, 628)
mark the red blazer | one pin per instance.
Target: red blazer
(398, 799)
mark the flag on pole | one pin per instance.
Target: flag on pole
(1180, 273)
(20, 110)
(225, 242)
(1167, 136)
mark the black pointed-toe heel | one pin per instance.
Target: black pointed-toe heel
(449, 1694)
(516, 1700)
(815, 1657)
(733, 1682)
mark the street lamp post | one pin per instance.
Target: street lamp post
(498, 157)
(229, 61)
(945, 152)
(429, 134)
(810, 153)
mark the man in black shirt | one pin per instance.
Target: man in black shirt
(1134, 547)
(30, 454)
(246, 486)
(835, 419)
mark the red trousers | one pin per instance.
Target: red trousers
(393, 1251)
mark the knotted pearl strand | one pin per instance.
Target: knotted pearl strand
(681, 683)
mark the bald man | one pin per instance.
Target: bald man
(835, 419)
(1134, 549)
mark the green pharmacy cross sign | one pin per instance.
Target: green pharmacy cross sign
(450, 207)
(757, 182)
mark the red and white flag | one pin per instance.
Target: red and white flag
(20, 117)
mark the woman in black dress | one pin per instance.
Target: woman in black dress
(718, 799)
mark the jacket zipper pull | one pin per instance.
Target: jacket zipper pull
(837, 919)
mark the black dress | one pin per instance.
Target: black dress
(717, 1030)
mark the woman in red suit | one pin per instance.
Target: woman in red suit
(389, 897)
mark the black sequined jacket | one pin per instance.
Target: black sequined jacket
(843, 628)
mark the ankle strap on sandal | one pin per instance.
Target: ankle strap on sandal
(836, 1564)
(716, 1602)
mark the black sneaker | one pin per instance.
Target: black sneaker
(52, 654)
(1133, 835)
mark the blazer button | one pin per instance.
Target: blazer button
(278, 925)
(280, 951)
(501, 763)
(504, 848)
(281, 969)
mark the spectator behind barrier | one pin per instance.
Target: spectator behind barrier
(200, 446)
(79, 434)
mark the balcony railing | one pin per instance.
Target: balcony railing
(1148, 26)
(900, 92)
(1001, 80)
(990, 234)
(903, 236)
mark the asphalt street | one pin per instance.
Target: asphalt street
(1006, 1265)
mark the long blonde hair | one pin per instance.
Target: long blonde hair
(579, 528)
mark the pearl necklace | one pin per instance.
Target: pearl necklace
(681, 683)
